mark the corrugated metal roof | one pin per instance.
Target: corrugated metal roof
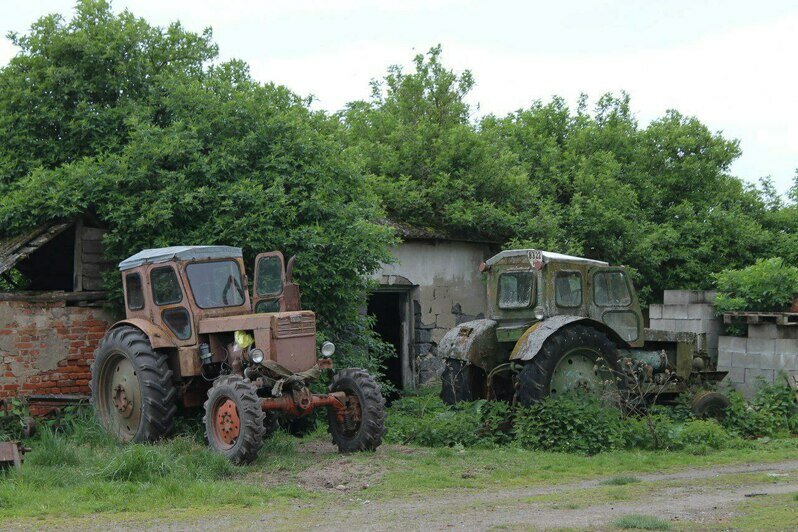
(153, 256)
(16, 248)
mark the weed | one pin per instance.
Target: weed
(641, 522)
(620, 481)
(53, 450)
(137, 463)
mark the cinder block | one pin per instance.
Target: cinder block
(701, 310)
(655, 311)
(736, 375)
(787, 332)
(786, 362)
(746, 360)
(753, 376)
(676, 312)
(787, 346)
(686, 297)
(724, 359)
(760, 346)
(763, 330)
(731, 343)
(769, 361)
(664, 325)
(678, 297)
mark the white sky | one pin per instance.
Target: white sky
(731, 63)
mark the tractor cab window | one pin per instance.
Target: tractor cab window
(216, 284)
(515, 289)
(135, 293)
(568, 289)
(611, 290)
(165, 286)
(270, 276)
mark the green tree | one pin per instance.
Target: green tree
(426, 160)
(189, 154)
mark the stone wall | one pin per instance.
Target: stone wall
(689, 311)
(47, 347)
(448, 289)
(767, 350)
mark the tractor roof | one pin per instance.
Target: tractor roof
(154, 256)
(548, 256)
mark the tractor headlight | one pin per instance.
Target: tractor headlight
(539, 313)
(256, 356)
(327, 349)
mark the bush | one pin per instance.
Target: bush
(768, 285)
(772, 411)
(700, 436)
(569, 424)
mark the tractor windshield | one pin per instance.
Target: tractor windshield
(216, 284)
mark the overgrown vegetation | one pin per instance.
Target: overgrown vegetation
(585, 426)
(167, 145)
(767, 285)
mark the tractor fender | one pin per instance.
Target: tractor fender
(473, 342)
(530, 343)
(157, 336)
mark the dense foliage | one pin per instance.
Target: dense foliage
(584, 181)
(110, 116)
(582, 425)
(767, 285)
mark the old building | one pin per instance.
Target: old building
(51, 311)
(433, 285)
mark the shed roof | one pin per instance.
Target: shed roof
(20, 247)
(154, 256)
(548, 256)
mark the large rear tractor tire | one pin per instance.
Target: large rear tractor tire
(364, 419)
(575, 358)
(710, 405)
(461, 381)
(131, 387)
(234, 420)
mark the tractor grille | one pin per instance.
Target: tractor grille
(295, 325)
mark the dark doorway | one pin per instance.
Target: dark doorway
(390, 310)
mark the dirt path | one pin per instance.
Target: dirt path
(694, 497)
(685, 501)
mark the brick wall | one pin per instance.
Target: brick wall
(47, 347)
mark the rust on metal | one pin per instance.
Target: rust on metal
(226, 423)
(301, 404)
(12, 454)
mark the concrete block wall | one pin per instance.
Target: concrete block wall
(768, 349)
(688, 311)
(47, 348)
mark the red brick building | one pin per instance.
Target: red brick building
(52, 312)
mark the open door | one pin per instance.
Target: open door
(269, 282)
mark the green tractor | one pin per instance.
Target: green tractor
(558, 324)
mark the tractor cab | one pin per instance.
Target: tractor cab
(527, 286)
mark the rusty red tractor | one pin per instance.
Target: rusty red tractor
(193, 336)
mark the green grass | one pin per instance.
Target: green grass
(641, 522)
(620, 481)
(771, 512)
(85, 473)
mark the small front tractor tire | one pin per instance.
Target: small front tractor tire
(710, 405)
(234, 420)
(461, 381)
(131, 387)
(364, 419)
(569, 360)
